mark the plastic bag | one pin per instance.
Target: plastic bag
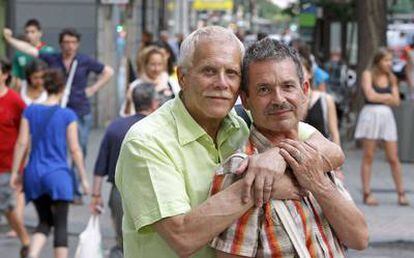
(90, 240)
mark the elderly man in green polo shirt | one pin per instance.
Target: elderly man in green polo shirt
(167, 160)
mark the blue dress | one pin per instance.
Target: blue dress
(47, 171)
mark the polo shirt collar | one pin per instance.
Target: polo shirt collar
(189, 130)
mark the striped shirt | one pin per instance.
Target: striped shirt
(260, 231)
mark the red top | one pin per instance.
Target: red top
(11, 109)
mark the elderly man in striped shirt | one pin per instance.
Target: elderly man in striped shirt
(321, 223)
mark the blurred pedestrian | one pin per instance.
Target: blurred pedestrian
(145, 102)
(321, 108)
(146, 40)
(33, 35)
(49, 129)
(69, 61)
(376, 122)
(171, 50)
(11, 108)
(337, 81)
(32, 91)
(151, 64)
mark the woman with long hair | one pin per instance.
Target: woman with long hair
(376, 122)
(151, 66)
(47, 181)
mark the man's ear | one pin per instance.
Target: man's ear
(306, 88)
(155, 104)
(181, 73)
(244, 99)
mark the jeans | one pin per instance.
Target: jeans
(84, 127)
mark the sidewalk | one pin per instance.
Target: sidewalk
(391, 226)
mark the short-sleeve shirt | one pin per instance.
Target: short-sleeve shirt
(164, 169)
(21, 60)
(261, 232)
(11, 109)
(111, 145)
(78, 101)
(48, 171)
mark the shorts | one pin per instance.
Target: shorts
(6, 193)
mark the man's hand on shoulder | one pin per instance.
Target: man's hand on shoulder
(262, 171)
(287, 188)
(306, 163)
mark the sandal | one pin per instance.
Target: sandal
(402, 199)
(24, 251)
(369, 199)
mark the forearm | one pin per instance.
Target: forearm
(18, 155)
(97, 185)
(23, 46)
(77, 157)
(103, 79)
(188, 233)
(347, 221)
(332, 154)
(380, 98)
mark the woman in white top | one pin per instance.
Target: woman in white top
(152, 65)
(32, 90)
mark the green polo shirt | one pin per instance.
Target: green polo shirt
(21, 60)
(165, 167)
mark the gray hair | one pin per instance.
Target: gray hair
(190, 43)
(143, 95)
(269, 49)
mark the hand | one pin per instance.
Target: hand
(306, 164)
(287, 188)
(96, 204)
(7, 33)
(16, 182)
(90, 91)
(85, 186)
(262, 170)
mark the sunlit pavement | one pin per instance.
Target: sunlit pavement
(391, 226)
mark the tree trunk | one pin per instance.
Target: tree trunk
(372, 23)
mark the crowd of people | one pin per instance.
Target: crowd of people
(188, 175)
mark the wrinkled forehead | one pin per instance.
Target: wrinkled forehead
(273, 69)
(221, 51)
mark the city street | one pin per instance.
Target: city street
(391, 227)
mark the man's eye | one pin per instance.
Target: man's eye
(232, 73)
(289, 86)
(209, 71)
(263, 90)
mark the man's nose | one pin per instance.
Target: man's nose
(222, 80)
(277, 96)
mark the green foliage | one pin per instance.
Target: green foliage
(267, 9)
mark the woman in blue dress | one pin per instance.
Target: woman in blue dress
(47, 182)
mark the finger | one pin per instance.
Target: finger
(258, 190)
(247, 186)
(267, 190)
(310, 148)
(294, 165)
(243, 166)
(311, 145)
(292, 149)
